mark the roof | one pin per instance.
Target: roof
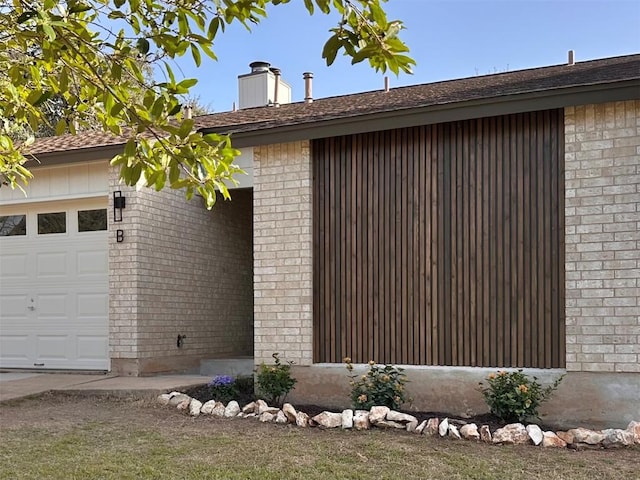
(603, 72)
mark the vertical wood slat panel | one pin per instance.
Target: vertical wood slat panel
(442, 244)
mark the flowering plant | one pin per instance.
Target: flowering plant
(512, 396)
(223, 388)
(275, 381)
(382, 385)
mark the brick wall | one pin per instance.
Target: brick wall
(180, 270)
(283, 253)
(602, 203)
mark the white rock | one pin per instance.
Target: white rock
(164, 398)
(420, 428)
(485, 434)
(616, 437)
(328, 419)
(184, 405)
(512, 434)
(290, 412)
(232, 410)
(249, 408)
(444, 427)
(361, 420)
(470, 431)
(347, 418)
(178, 398)
(551, 440)
(266, 417)
(535, 434)
(377, 414)
(432, 426)
(194, 407)
(207, 408)
(281, 418)
(634, 428)
(218, 409)
(400, 417)
(261, 407)
(411, 426)
(390, 424)
(302, 419)
(453, 432)
(584, 435)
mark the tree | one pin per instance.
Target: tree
(91, 56)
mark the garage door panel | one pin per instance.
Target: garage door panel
(53, 307)
(91, 263)
(92, 305)
(51, 265)
(13, 267)
(53, 347)
(16, 348)
(13, 307)
(92, 347)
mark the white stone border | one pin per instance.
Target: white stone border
(384, 417)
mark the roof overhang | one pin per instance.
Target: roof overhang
(440, 113)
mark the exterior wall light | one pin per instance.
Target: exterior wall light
(119, 202)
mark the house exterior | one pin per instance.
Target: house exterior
(454, 228)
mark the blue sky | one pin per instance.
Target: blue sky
(448, 39)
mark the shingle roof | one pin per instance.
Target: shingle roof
(594, 72)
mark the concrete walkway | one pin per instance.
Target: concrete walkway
(14, 385)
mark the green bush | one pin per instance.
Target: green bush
(513, 397)
(380, 386)
(275, 381)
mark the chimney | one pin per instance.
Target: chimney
(262, 86)
(571, 58)
(276, 74)
(386, 84)
(308, 84)
(188, 111)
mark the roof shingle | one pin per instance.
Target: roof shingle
(594, 72)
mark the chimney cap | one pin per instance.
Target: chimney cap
(259, 66)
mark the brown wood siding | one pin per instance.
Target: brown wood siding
(442, 244)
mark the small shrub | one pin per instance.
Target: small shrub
(223, 388)
(512, 396)
(275, 381)
(380, 386)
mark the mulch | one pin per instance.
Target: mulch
(203, 394)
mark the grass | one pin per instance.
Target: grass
(61, 437)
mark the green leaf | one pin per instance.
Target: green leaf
(143, 45)
(330, 50)
(195, 53)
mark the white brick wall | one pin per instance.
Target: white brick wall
(602, 180)
(283, 253)
(180, 270)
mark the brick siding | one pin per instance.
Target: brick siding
(283, 253)
(180, 270)
(602, 178)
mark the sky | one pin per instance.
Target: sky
(449, 39)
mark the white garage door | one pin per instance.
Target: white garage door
(54, 285)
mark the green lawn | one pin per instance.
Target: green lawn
(97, 438)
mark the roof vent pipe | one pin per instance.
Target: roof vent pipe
(386, 84)
(308, 91)
(571, 58)
(276, 74)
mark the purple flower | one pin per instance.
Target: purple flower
(221, 381)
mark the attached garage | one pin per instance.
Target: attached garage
(54, 273)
